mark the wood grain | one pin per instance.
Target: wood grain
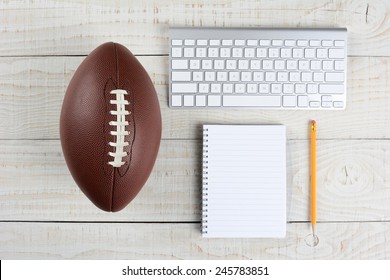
(183, 241)
(36, 185)
(77, 27)
(32, 90)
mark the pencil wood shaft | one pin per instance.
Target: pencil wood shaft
(313, 148)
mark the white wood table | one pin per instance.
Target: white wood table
(44, 215)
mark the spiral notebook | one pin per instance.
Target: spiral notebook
(244, 181)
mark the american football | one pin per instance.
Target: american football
(110, 126)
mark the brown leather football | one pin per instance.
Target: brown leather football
(110, 126)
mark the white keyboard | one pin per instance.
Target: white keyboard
(265, 68)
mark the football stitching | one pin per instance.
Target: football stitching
(119, 127)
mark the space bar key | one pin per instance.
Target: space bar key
(252, 101)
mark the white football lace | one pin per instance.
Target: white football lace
(120, 125)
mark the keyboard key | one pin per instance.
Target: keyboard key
(336, 53)
(215, 88)
(264, 88)
(302, 43)
(239, 88)
(288, 88)
(194, 64)
(289, 101)
(276, 88)
(177, 42)
(214, 100)
(339, 65)
(338, 104)
(209, 76)
(282, 77)
(246, 76)
(303, 64)
(322, 53)
(181, 76)
(252, 100)
(219, 64)
(189, 42)
(225, 52)
(204, 88)
(268, 64)
(334, 77)
(300, 88)
(277, 42)
(227, 88)
(314, 104)
(184, 88)
(326, 104)
(258, 76)
(327, 43)
(252, 88)
(331, 88)
(265, 42)
(234, 76)
(197, 76)
(261, 52)
(252, 42)
(201, 52)
(310, 53)
(339, 43)
(239, 42)
(270, 76)
(201, 42)
(315, 64)
(307, 77)
(188, 100)
(327, 65)
(200, 100)
(285, 53)
(179, 64)
(312, 88)
(249, 52)
(207, 64)
(231, 64)
(295, 77)
(237, 52)
(303, 101)
(215, 42)
(279, 64)
(315, 43)
(272, 52)
(243, 64)
(292, 64)
(176, 52)
(255, 64)
(297, 53)
(318, 77)
(189, 52)
(289, 43)
(213, 52)
(222, 76)
(176, 100)
(227, 42)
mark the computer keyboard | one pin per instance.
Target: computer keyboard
(264, 68)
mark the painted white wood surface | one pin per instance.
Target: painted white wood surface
(44, 215)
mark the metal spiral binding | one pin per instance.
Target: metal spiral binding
(205, 182)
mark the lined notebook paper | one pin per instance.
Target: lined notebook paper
(244, 181)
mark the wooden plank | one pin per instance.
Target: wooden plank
(32, 90)
(184, 241)
(353, 180)
(77, 27)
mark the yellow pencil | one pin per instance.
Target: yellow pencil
(313, 140)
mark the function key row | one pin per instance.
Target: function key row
(254, 42)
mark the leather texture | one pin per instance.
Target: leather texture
(85, 129)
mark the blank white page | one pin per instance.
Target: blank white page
(244, 181)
